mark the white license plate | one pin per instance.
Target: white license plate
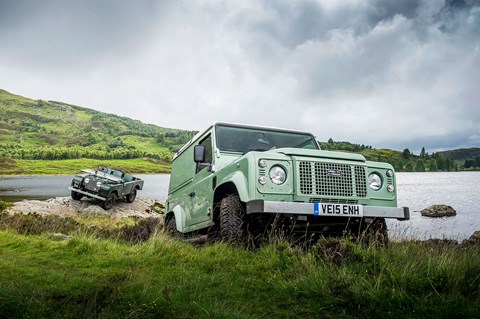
(345, 210)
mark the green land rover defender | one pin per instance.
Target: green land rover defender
(232, 180)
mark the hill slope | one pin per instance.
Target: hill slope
(462, 153)
(51, 130)
(37, 129)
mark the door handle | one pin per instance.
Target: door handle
(192, 194)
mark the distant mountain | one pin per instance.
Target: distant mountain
(37, 129)
(462, 153)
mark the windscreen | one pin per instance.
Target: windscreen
(243, 140)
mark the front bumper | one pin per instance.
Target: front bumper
(337, 210)
(86, 193)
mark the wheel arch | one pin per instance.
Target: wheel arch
(224, 190)
(113, 191)
(179, 217)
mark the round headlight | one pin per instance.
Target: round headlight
(98, 184)
(87, 180)
(374, 181)
(277, 175)
(389, 173)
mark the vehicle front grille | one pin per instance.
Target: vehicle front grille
(91, 185)
(332, 179)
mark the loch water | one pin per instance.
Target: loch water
(461, 190)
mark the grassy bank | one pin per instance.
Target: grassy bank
(71, 167)
(89, 277)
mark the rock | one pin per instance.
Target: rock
(438, 211)
(157, 207)
(475, 237)
(473, 240)
(66, 206)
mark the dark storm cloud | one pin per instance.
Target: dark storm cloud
(386, 73)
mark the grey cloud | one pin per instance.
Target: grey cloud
(386, 73)
(64, 35)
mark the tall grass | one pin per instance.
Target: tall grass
(87, 277)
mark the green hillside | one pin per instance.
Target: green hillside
(50, 130)
(34, 132)
(402, 161)
(462, 154)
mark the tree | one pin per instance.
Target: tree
(330, 141)
(406, 154)
(422, 153)
(409, 167)
(433, 165)
(469, 163)
(420, 167)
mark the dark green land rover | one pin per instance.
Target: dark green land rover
(232, 180)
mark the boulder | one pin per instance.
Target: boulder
(438, 211)
(475, 238)
(67, 207)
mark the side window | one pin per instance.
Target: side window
(207, 142)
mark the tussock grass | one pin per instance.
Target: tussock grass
(128, 229)
(91, 277)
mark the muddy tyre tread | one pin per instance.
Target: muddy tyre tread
(171, 227)
(76, 195)
(232, 228)
(109, 201)
(131, 197)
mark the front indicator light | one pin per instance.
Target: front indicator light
(389, 173)
(390, 188)
(262, 163)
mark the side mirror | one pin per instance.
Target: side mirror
(199, 154)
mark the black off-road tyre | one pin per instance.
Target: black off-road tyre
(171, 227)
(131, 197)
(232, 220)
(76, 196)
(375, 233)
(109, 201)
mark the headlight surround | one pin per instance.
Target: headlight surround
(277, 175)
(375, 181)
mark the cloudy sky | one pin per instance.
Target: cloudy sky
(391, 74)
